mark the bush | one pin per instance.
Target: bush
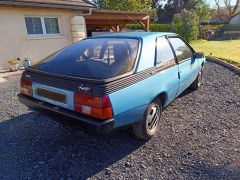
(204, 29)
(186, 25)
(153, 27)
(220, 32)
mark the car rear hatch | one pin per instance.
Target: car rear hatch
(78, 77)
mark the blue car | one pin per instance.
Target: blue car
(113, 80)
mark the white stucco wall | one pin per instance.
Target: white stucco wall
(15, 42)
(235, 20)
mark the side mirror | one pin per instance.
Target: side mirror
(26, 63)
(199, 55)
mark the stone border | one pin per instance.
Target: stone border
(3, 76)
(2, 80)
(6, 74)
(224, 64)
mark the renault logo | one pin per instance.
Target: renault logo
(84, 88)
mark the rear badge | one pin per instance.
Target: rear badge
(84, 88)
(27, 76)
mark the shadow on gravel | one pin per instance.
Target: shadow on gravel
(202, 169)
(34, 146)
(185, 93)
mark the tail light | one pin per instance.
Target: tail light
(26, 87)
(98, 107)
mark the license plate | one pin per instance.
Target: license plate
(52, 95)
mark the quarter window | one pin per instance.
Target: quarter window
(42, 26)
(164, 51)
(183, 52)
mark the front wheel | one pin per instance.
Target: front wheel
(149, 125)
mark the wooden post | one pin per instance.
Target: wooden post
(148, 24)
(118, 28)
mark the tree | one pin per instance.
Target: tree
(225, 9)
(148, 6)
(166, 12)
(203, 10)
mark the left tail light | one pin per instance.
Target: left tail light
(26, 87)
(98, 107)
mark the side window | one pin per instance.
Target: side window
(164, 51)
(181, 49)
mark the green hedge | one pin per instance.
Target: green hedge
(153, 27)
(134, 26)
(160, 27)
(231, 27)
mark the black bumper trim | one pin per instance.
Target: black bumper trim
(66, 116)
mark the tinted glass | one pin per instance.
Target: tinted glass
(164, 51)
(181, 49)
(97, 58)
(51, 25)
(34, 25)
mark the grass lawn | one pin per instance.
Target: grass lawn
(228, 50)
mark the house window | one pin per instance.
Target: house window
(42, 26)
(51, 25)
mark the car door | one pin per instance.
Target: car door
(167, 68)
(186, 62)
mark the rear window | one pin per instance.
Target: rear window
(98, 58)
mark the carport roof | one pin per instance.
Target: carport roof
(115, 19)
(64, 4)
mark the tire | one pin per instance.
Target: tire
(149, 125)
(197, 82)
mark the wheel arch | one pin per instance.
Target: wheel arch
(162, 97)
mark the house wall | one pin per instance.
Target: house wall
(235, 20)
(15, 42)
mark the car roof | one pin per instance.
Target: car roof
(135, 34)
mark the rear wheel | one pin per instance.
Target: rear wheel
(149, 125)
(197, 83)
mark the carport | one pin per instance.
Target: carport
(115, 20)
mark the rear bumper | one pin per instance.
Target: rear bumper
(66, 116)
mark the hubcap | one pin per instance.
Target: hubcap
(153, 118)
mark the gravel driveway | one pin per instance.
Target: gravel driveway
(199, 138)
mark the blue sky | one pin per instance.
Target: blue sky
(212, 2)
